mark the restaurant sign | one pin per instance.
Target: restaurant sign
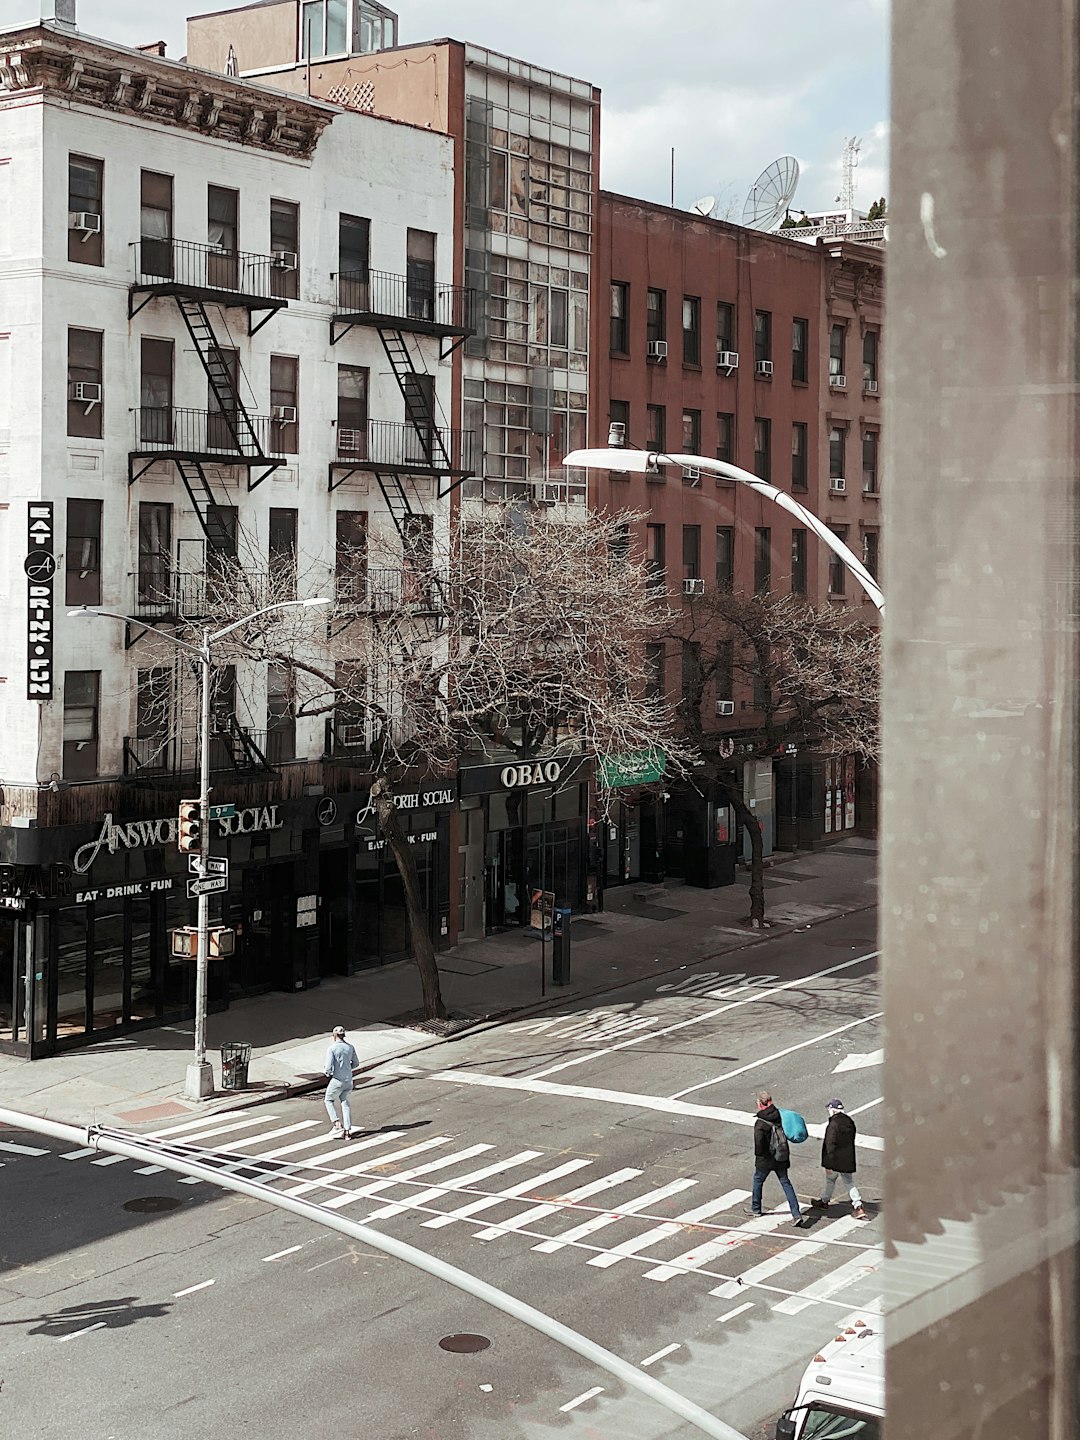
(135, 834)
(643, 767)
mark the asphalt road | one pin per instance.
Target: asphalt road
(622, 1127)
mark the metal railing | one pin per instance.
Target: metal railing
(234, 748)
(398, 444)
(188, 265)
(375, 292)
(161, 592)
(168, 428)
(386, 589)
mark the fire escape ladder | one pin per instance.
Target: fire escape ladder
(223, 387)
(418, 401)
(200, 492)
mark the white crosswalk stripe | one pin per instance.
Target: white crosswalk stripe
(199, 1124)
(590, 1227)
(671, 1227)
(10, 1148)
(425, 1198)
(724, 1244)
(208, 1133)
(331, 1181)
(550, 1207)
(378, 1186)
(475, 1207)
(857, 1268)
(802, 1250)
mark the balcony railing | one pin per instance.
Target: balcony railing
(383, 590)
(162, 593)
(171, 430)
(186, 265)
(234, 749)
(375, 293)
(399, 445)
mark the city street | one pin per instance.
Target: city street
(595, 1161)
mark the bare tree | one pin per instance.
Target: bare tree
(527, 631)
(812, 673)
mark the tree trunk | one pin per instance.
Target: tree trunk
(423, 950)
(748, 820)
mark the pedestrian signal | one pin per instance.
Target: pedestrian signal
(189, 837)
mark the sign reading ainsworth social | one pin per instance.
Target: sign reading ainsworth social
(39, 568)
(643, 767)
(135, 834)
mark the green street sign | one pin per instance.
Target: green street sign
(222, 812)
(641, 768)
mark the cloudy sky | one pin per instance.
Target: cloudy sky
(730, 84)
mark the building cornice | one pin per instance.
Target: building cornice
(145, 87)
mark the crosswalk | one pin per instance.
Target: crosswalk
(678, 1231)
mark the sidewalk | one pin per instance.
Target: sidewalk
(645, 930)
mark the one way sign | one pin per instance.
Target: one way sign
(195, 888)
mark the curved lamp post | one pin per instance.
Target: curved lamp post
(647, 461)
(200, 1073)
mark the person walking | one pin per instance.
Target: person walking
(838, 1160)
(341, 1061)
(772, 1156)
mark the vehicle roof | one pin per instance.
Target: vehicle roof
(850, 1368)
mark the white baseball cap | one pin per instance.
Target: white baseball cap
(339, 1029)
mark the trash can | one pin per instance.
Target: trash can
(560, 946)
(235, 1059)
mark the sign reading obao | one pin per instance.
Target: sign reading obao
(136, 833)
(538, 772)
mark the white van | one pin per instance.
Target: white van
(842, 1394)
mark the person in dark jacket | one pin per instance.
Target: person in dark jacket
(838, 1159)
(768, 1125)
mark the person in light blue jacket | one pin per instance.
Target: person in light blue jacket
(341, 1061)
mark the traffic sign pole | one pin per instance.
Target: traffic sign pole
(200, 1075)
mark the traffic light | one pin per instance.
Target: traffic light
(189, 839)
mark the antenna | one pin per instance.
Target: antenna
(851, 161)
(232, 64)
(705, 206)
(770, 195)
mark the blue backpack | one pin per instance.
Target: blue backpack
(794, 1126)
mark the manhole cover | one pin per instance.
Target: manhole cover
(152, 1204)
(464, 1344)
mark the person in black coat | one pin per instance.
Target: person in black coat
(767, 1125)
(838, 1159)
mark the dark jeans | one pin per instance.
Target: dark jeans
(785, 1185)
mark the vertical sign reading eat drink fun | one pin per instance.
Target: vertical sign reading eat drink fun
(40, 567)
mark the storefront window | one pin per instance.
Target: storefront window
(108, 952)
(71, 943)
(143, 1003)
(8, 983)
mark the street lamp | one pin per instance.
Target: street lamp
(200, 1073)
(648, 462)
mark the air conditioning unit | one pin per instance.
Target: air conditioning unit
(86, 221)
(727, 360)
(870, 387)
(691, 475)
(350, 442)
(285, 414)
(725, 707)
(763, 369)
(352, 735)
(838, 382)
(284, 260)
(86, 391)
(656, 350)
(838, 483)
(693, 587)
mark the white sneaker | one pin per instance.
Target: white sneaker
(337, 1133)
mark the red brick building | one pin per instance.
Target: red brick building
(713, 339)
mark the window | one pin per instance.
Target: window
(350, 711)
(350, 558)
(284, 249)
(152, 714)
(82, 554)
(762, 560)
(619, 414)
(871, 551)
(420, 275)
(418, 556)
(798, 455)
(373, 28)
(221, 531)
(725, 327)
(763, 448)
(655, 560)
(725, 436)
(870, 358)
(156, 225)
(691, 552)
(725, 557)
(280, 713)
(85, 392)
(86, 219)
(800, 342)
(762, 335)
(620, 317)
(725, 670)
(282, 553)
(655, 315)
(837, 568)
(656, 426)
(870, 462)
(837, 445)
(691, 432)
(836, 350)
(155, 552)
(352, 276)
(81, 688)
(691, 330)
(284, 404)
(559, 328)
(156, 392)
(654, 671)
(324, 28)
(798, 562)
(691, 673)
(352, 412)
(222, 263)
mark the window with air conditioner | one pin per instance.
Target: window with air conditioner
(284, 249)
(352, 412)
(837, 340)
(763, 338)
(726, 339)
(691, 555)
(86, 185)
(284, 404)
(82, 553)
(656, 317)
(870, 361)
(81, 692)
(85, 387)
(837, 456)
(351, 555)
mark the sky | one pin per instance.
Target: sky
(730, 84)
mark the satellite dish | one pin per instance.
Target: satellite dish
(771, 193)
(705, 206)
